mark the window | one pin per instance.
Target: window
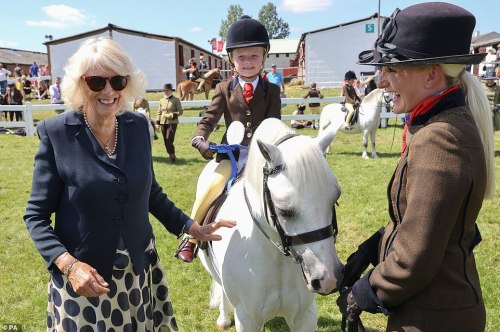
(277, 55)
(192, 53)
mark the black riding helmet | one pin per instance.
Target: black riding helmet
(350, 75)
(247, 32)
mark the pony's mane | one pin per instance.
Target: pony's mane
(302, 157)
(211, 72)
(374, 94)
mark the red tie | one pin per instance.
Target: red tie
(248, 93)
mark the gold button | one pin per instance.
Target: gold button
(249, 135)
(248, 112)
(249, 124)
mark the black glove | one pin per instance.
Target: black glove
(202, 145)
(356, 264)
(348, 306)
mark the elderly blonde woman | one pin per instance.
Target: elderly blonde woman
(425, 276)
(94, 172)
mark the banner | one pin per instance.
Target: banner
(220, 45)
(214, 44)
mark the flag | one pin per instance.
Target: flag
(220, 45)
(214, 44)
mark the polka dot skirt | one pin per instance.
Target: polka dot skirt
(135, 302)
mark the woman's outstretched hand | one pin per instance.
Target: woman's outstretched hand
(206, 232)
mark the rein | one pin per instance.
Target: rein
(288, 241)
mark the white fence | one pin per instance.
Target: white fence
(29, 108)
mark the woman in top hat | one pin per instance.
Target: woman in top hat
(168, 117)
(246, 98)
(424, 276)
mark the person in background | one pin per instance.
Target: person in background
(56, 94)
(352, 101)
(42, 91)
(13, 96)
(94, 172)
(246, 98)
(493, 94)
(491, 58)
(203, 69)
(141, 106)
(18, 71)
(27, 87)
(371, 82)
(19, 85)
(314, 107)
(300, 124)
(34, 70)
(4, 75)
(276, 78)
(425, 276)
(168, 117)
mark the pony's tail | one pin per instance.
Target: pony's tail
(180, 91)
(477, 102)
(215, 294)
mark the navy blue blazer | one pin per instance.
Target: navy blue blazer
(96, 199)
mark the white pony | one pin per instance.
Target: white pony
(333, 118)
(258, 280)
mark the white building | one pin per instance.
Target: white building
(160, 57)
(281, 54)
(325, 55)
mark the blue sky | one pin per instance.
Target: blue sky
(24, 26)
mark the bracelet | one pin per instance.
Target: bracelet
(67, 268)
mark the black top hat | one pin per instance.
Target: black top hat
(247, 32)
(424, 34)
(168, 86)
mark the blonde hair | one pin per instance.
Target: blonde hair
(477, 102)
(100, 53)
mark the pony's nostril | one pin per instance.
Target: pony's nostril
(316, 284)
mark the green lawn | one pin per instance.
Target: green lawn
(362, 210)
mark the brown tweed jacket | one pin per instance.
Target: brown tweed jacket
(229, 101)
(426, 259)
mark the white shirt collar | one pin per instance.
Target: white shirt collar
(254, 82)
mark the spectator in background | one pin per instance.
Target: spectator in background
(142, 106)
(168, 117)
(202, 69)
(27, 87)
(55, 92)
(18, 71)
(56, 95)
(493, 93)
(34, 70)
(489, 62)
(42, 91)
(4, 74)
(371, 82)
(14, 97)
(314, 107)
(300, 124)
(276, 78)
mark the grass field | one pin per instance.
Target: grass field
(362, 210)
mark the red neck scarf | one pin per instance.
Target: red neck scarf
(423, 107)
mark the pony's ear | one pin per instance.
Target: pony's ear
(325, 137)
(270, 152)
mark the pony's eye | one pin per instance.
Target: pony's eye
(286, 212)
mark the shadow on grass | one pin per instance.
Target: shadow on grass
(379, 154)
(278, 324)
(179, 161)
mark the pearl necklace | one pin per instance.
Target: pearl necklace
(109, 151)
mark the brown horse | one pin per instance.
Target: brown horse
(187, 88)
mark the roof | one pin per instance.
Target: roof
(112, 27)
(486, 39)
(22, 57)
(283, 45)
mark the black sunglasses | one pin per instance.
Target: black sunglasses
(98, 83)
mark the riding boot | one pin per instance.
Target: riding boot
(173, 158)
(186, 250)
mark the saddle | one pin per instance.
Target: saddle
(355, 116)
(212, 212)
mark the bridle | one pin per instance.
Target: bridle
(288, 241)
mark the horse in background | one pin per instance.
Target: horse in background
(333, 118)
(187, 89)
(282, 251)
